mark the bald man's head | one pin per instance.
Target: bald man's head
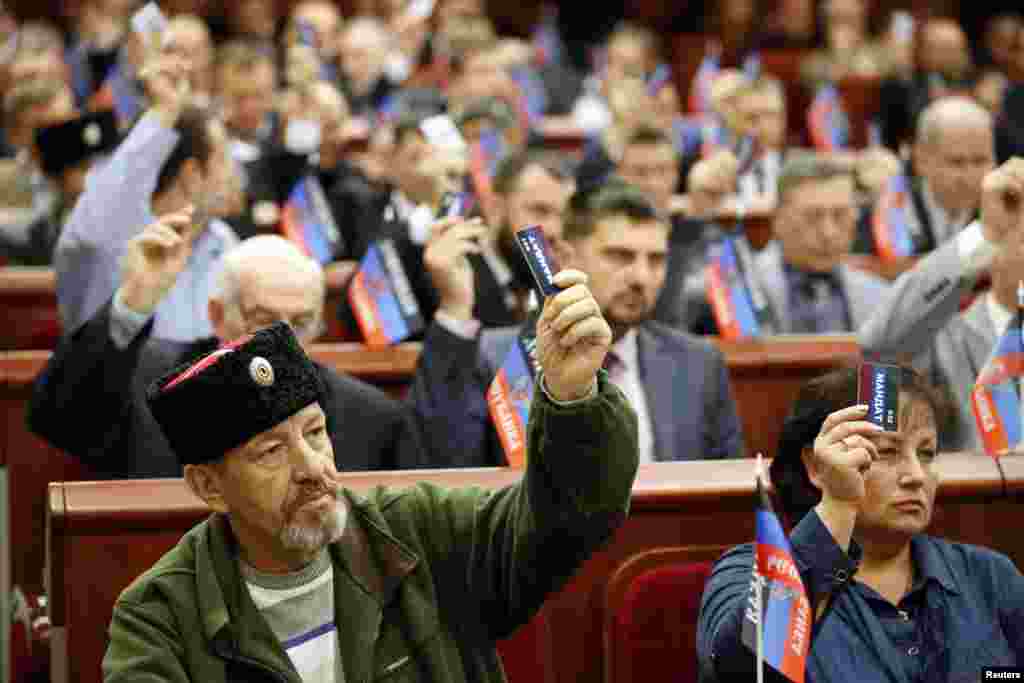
(942, 120)
(954, 150)
(263, 280)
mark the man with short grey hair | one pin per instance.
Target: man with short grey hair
(954, 147)
(800, 276)
(99, 374)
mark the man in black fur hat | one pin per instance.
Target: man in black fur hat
(66, 152)
(294, 578)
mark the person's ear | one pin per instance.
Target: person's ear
(205, 482)
(217, 312)
(811, 466)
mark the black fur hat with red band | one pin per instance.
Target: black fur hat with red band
(242, 389)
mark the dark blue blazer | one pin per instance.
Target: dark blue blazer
(689, 399)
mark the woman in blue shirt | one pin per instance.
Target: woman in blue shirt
(891, 602)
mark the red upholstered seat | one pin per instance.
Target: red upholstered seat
(526, 654)
(651, 619)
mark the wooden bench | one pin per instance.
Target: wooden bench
(766, 374)
(28, 300)
(102, 534)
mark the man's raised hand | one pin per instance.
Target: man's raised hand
(572, 338)
(154, 259)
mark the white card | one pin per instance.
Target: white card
(441, 132)
(421, 9)
(903, 26)
(151, 24)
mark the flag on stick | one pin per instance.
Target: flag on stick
(777, 623)
(996, 397)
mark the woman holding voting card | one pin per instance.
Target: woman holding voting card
(888, 602)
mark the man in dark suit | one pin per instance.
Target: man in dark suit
(677, 384)
(953, 150)
(349, 196)
(943, 68)
(99, 374)
(1010, 128)
(530, 188)
(712, 184)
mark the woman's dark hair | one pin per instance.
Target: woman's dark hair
(819, 398)
(194, 142)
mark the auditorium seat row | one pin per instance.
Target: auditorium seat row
(628, 615)
(765, 374)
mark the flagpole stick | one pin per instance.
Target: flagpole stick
(758, 473)
(1020, 379)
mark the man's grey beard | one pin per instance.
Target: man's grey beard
(308, 539)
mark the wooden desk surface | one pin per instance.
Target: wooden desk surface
(86, 506)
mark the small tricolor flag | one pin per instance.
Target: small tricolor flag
(889, 220)
(511, 393)
(306, 33)
(728, 293)
(752, 65)
(658, 79)
(713, 137)
(777, 622)
(532, 100)
(382, 299)
(483, 161)
(827, 121)
(996, 397)
(547, 40)
(700, 89)
(307, 220)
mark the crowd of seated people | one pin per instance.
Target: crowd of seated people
(242, 167)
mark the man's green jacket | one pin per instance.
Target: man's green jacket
(426, 579)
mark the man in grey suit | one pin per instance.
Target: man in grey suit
(678, 384)
(921, 322)
(800, 276)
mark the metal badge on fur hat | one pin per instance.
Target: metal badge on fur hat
(242, 389)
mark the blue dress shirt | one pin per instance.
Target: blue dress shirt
(114, 208)
(964, 611)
